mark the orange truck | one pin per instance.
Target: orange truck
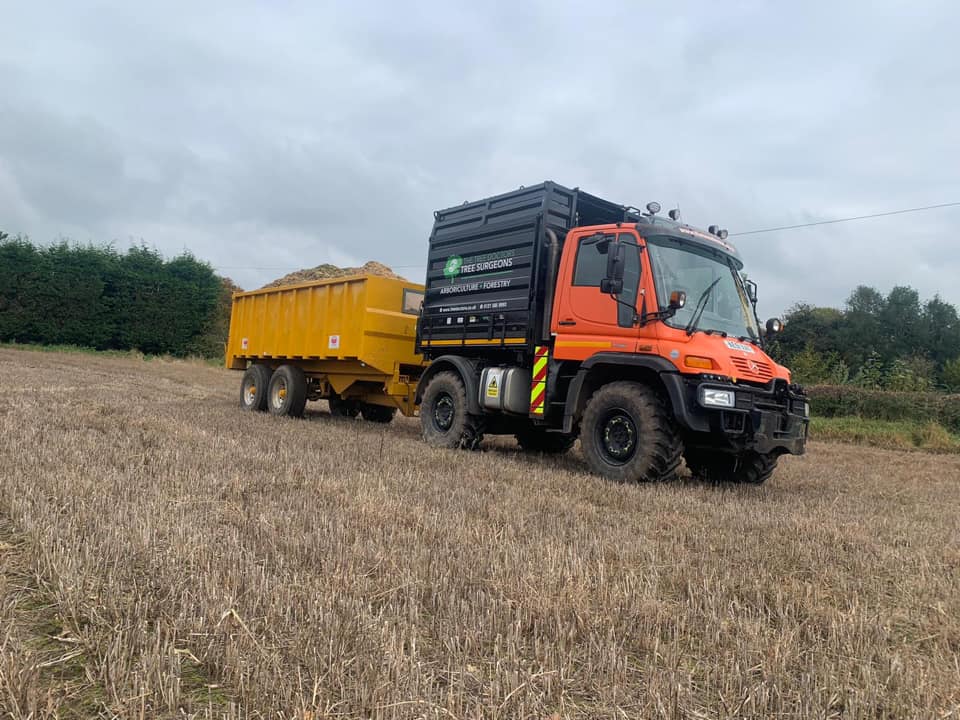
(552, 315)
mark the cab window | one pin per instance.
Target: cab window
(631, 281)
(591, 265)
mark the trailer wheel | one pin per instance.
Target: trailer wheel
(288, 391)
(751, 468)
(628, 434)
(443, 414)
(537, 440)
(253, 387)
(340, 407)
(377, 413)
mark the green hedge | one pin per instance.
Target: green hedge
(844, 401)
(95, 296)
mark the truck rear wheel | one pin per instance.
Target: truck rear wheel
(253, 387)
(288, 391)
(538, 440)
(628, 434)
(377, 413)
(443, 414)
(751, 468)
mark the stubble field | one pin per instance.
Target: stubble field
(163, 554)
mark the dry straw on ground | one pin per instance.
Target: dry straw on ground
(164, 554)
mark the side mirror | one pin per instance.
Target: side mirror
(612, 284)
(678, 298)
(611, 287)
(774, 326)
(751, 288)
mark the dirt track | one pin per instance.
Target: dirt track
(162, 551)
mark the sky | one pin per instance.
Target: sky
(266, 137)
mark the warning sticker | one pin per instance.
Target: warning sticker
(244, 343)
(492, 389)
(333, 343)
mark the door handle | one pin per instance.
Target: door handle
(567, 322)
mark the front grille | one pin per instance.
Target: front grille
(755, 369)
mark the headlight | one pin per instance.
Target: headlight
(711, 397)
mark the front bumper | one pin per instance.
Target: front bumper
(767, 419)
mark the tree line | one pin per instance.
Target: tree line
(96, 296)
(876, 341)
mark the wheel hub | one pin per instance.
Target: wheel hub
(443, 412)
(279, 394)
(618, 436)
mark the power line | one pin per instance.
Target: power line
(744, 232)
(840, 220)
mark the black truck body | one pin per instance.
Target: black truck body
(489, 267)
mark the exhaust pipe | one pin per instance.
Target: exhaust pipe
(552, 260)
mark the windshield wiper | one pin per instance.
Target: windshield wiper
(701, 306)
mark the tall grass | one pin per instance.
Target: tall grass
(131, 354)
(898, 435)
(921, 407)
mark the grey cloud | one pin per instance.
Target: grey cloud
(271, 136)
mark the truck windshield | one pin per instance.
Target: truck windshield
(678, 264)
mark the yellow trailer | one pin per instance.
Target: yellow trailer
(348, 340)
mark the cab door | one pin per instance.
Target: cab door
(586, 320)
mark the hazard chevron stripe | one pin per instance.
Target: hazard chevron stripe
(536, 395)
(538, 384)
(536, 408)
(540, 373)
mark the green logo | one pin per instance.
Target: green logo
(452, 268)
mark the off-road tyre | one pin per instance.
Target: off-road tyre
(254, 388)
(377, 413)
(628, 434)
(444, 419)
(749, 468)
(287, 394)
(541, 441)
(339, 407)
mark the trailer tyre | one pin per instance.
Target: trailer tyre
(751, 468)
(443, 414)
(628, 434)
(537, 440)
(288, 391)
(377, 413)
(340, 407)
(253, 388)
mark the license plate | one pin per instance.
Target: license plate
(733, 345)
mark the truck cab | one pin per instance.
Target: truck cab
(636, 334)
(657, 293)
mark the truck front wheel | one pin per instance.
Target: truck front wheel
(628, 434)
(752, 468)
(443, 414)
(253, 387)
(288, 391)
